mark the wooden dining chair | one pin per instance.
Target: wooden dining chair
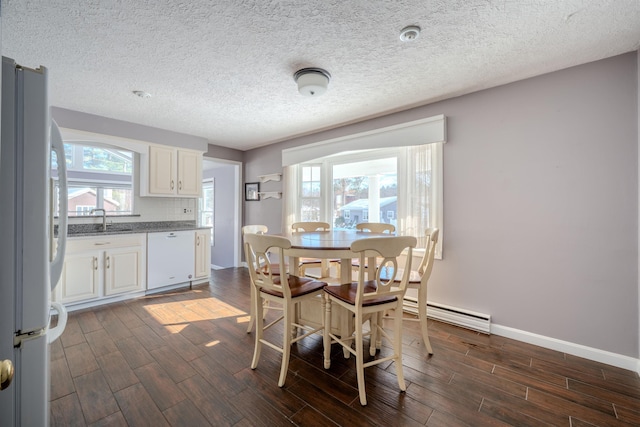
(371, 227)
(376, 227)
(283, 289)
(418, 279)
(366, 299)
(305, 263)
(258, 229)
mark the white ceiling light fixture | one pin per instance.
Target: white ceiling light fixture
(312, 81)
(409, 33)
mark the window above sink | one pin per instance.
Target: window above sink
(99, 177)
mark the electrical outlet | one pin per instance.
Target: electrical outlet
(188, 210)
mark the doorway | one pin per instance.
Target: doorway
(225, 243)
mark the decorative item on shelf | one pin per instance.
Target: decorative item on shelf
(251, 191)
(312, 81)
(270, 177)
(270, 194)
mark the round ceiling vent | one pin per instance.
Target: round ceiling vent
(409, 33)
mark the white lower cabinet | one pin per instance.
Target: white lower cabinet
(79, 280)
(123, 270)
(203, 254)
(102, 266)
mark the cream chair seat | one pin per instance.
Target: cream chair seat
(367, 300)
(283, 289)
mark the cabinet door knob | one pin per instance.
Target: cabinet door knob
(95, 263)
(179, 185)
(172, 184)
(198, 240)
(108, 262)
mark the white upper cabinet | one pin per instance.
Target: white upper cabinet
(189, 173)
(167, 171)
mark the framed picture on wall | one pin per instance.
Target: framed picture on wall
(251, 191)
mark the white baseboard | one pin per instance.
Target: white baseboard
(579, 350)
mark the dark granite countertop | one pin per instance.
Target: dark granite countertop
(83, 230)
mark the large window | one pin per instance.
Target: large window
(391, 174)
(363, 190)
(399, 185)
(98, 178)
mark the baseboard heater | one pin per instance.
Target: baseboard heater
(456, 316)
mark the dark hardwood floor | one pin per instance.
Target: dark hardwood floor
(182, 359)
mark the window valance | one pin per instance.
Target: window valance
(417, 132)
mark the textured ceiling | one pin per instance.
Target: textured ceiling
(223, 69)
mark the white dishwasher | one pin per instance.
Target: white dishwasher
(170, 258)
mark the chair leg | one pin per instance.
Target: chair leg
(360, 362)
(345, 330)
(286, 343)
(259, 320)
(380, 315)
(326, 338)
(397, 346)
(374, 336)
(422, 318)
(252, 314)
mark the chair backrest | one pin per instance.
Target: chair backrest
(426, 264)
(310, 226)
(255, 229)
(376, 227)
(389, 249)
(256, 251)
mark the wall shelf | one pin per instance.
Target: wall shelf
(270, 177)
(270, 195)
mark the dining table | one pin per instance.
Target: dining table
(326, 245)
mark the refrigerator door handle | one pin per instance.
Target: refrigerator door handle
(57, 263)
(55, 332)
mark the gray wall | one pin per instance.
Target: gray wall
(224, 210)
(540, 202)
(106, 126)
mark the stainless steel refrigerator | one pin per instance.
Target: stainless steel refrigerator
(27, 268)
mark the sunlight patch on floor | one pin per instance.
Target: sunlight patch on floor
(192, 310)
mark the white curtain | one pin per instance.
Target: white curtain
(420, 192)
(291, 178)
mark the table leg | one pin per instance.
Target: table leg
(345, 270)
(294, 265)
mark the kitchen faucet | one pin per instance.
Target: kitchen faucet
(104, 217)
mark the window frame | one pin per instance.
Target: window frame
(96, 179)
(206, 183)
(327, 199)
(319, 198)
